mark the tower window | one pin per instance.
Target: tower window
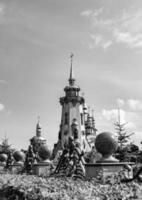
(75, 134)
(81, 115)
(66, 133)
(66, 118)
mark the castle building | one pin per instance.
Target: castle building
(90, 128)
(37, 141)
(75, 120)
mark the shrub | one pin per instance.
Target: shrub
(25, 187)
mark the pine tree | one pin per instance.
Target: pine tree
(123, 138)
(5, 147)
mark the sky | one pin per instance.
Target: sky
(36, 39)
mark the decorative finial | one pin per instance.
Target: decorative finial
(71, 78)
(71, 57)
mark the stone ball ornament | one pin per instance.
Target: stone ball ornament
(3, 157)
(44, 152)
(106, 144)
(19, 156)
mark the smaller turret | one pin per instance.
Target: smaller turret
(90, 129)
(37, 140)
(93, 123)
(38, 129)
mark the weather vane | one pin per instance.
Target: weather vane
(71, 57)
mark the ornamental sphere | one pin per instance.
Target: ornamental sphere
(44, 152)
(106, 143)
(19, 156)
(3, 157)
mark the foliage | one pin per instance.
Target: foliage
(29, 187)
(126, 150)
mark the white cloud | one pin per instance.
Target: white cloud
(112, 115)
(120, 102)
(107, 44)
(132, 41)
(137, 138)
(127, 118)
(98, 40)
(87, 13)
(1, 107)
(2, 8)
(130, 126)
(92, 13)
(134, 105)
(124, 28)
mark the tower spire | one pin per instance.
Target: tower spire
(71, 78)
(38, 127)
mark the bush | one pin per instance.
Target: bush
(25, 187)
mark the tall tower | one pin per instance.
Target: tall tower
(72, 119)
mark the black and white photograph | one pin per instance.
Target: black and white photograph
(70, 100)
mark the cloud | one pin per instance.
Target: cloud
(92, 13)
(1, 107)
(120, 102)
(112, 115)
(124, 28)
(129, 115)
(130, 126)
(98, 40)
(133, 41)
(134, 105)
(126, 117)
(2, 9)
(87, 13)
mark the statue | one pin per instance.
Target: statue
(10, 160)
(71, 161)
(30, 159)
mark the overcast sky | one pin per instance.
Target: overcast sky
(36, 38)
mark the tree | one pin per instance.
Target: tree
(122, 135)
(5, 146)
(123, 138)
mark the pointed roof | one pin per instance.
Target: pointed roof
(38, 127)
